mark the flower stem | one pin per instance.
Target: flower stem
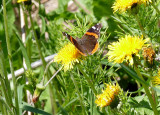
(4, 91)
(6, 107)
(79, 95)
(37, 41)
(157, 10)
(10, 57)
(53, 102)
(46, 70)
(140, 25)
(53, 76)
(146, 88)
(87, 78)
(4, 80)
(2, 108)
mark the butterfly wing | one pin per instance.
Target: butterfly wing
(88, 44)
(94, 31)
(89, 40)
(75, 42)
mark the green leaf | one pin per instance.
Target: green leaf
(34, 110)
(42, 10)
(24, 52)
(2, 37)
(20, 95)
(133, 74)
(62, 109)
(102, 8)
(10, 18)
(43, 25)
(141, 105)
(139, 98)
(62, 6)
(157, 89)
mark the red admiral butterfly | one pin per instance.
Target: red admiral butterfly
(88, 44)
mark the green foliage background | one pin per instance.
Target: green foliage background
(65, 100)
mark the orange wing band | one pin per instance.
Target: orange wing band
(95, 48)
(71, 39)
(92, 34)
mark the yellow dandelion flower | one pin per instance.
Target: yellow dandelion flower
(19, 1)
(125, 48)
(156, 79)
(68, 56)
(108, 95)
(123, 5)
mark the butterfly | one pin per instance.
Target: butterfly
(88, 44)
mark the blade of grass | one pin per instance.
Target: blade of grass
(10, 56)
(35, 110)
(24, 52)
(133, 74)
(7, 106)
(52, 97)
(4, 79)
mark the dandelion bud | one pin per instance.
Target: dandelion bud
(149, 54)
(39, 89)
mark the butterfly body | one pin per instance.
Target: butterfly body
(88, 44)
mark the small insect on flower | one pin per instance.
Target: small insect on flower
(68, 56)
(88, 44)
(123, 5)
(108, 96)
(125, 49)
(85, 46)
(156, 79)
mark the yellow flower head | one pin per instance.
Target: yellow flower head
(125, 48)
(68, 56)
(108, 95)
(123, 5)
(19, 1)
(156, 79)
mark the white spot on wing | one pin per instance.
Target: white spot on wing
(94, 27)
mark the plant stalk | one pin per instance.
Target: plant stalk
(146, 88)
(6, 107)
(79, 95)
(10, 57)
(4, 80)
(140, 25)
(37, 41)
(53, 76)
(157, 10)
(2, 109)
(87, 78)
(46, 70)
(53, 102)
